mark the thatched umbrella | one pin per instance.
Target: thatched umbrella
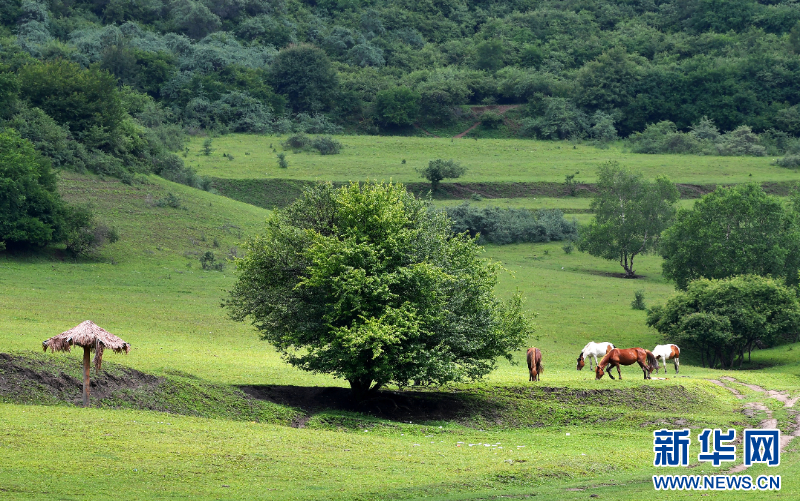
(92, 338)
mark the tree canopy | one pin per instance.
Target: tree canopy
(439, 169)
(724, 318)
(304, 75)
(366, 283)
(630, 214)
(31, 210)
(732, 231)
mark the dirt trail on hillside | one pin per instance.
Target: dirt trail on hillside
(750, 409)
(479, 110)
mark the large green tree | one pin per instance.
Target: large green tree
(398, 106)
(732, 231)
(303, 74)
(366, 283)
(723, 318)
(31, 210)
(88, 101)
(630, 214)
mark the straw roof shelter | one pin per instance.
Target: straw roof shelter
(90, 337)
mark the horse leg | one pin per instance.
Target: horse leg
(677, 364)
(590, 361)
(619, 373)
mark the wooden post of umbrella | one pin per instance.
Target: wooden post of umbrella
(86, 355)
(90, 337)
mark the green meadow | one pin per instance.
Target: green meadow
(198, 435)
(486, 160)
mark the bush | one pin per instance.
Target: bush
(491, 119)
(789, 162)
(326, 145)
(209, 262)
(84, 234)
(441, 169)
(169, 201)
(297, 142)
(638, 300)
(508, 226)
(397, 106)
(282, 162)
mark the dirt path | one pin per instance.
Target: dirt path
(482, 109)
(750, 409)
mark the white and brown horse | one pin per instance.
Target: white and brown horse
(534, 363)
(667, 352)
(593, 350)
(629, 356)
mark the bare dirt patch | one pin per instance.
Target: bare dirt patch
(28, 380)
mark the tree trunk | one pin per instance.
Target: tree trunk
(86, 357)
(363, 389)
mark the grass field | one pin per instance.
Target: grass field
(487, 160)
(566, 443)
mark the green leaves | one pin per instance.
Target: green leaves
(732, 231)
(630, 214)
(368, 284)
(723, 318)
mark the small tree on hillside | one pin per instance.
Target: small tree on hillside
(441, 169)
(630, 214)
(367, 284)
(398, 106)
(724, 318)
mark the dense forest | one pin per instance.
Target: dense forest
(111, 85)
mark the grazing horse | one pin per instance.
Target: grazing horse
(594, 350)
(667, 352)
(616, 357)
(534, 363)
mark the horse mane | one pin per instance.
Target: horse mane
(651, 360)
(604, 361)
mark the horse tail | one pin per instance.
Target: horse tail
(539, 366)
(651, 360)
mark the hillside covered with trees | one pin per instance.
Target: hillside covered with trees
(111, 85)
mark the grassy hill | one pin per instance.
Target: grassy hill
(201, 407)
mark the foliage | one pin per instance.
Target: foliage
(325, 145)
(638, 300)
(32, 210)
(508, 226)
(726, 317)
(491, 119)
(397, 106)
(304, 75)
(366, 283)
(84, 235)
(630, 214)
(207, 149)
(732, 231)
(789, 161)
(209, 262)
(439, 169)
(85, 100)
(282, 162)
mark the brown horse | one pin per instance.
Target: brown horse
(534, 363)
(616, 357)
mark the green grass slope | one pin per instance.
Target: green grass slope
(210, 441)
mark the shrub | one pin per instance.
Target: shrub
(207, 149)
(441, 169)
(638, 300)
(209, 262)
(507, 226)
(84, 234)
(326, 145)
(491, 119)
(568, 248)
(282, 162)
(297, 142)
(789, 162)
(169, 201)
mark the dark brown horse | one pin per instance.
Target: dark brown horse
(616, 357)
(534, 363)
